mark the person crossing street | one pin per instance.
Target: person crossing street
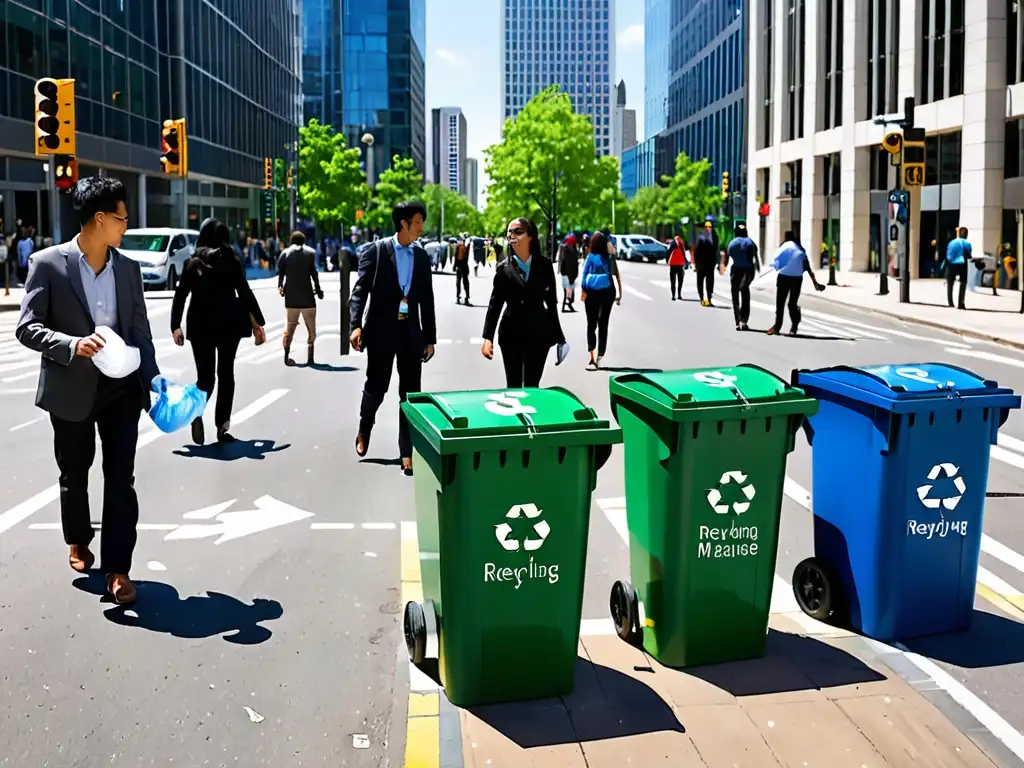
(461, 267)
(791, 262)
(742, 251)
(677, 262)
(705, 258)
(299, 283)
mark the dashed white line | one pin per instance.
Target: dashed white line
(26, 424)
(634, 292)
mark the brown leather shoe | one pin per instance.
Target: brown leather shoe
(80, 558)
(120, 587)
(407, 465)
(362, 445)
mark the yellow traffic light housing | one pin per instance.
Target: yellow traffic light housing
(725, 184)
(65, 173)
(55, 117)
(174, 148)
(291, 177)
(268, 173)
(893, 143)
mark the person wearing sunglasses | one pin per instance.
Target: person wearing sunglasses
(72, 289)
(524, 287)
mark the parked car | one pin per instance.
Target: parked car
(644, 248)
(161, 252)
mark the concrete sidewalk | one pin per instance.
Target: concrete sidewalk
(996, 318)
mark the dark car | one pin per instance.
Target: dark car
(644, 248)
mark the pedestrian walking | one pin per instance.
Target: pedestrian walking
(395, 291)
(791, 262)
(71, 289)
(222, 311)
(479, 257)
(461, 267)
(705, 260)
(958, 253)
(742, 251)
(598, 295)
(569, 267)
(299, 283)
(524, 287)
(677, 263)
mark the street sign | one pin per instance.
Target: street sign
(913, 174)
(268, 205)
(899, 196)
(894, 232)
(269, 513)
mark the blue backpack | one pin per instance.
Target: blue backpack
(597, 277)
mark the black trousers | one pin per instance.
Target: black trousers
(115, 415)
(461, 279)
(523, 367)
(787, 291)
(215, 361)
(740, 279)
(953, 271)
(381, 356)
(599, 309)
(675, 276)
(706, 279)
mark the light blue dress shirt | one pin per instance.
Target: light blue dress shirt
(403, 262)
(100, 292)
(524, 266)
(957, 250)
(789, 259)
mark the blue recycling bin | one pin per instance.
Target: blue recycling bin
(900, 473)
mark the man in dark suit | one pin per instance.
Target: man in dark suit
(71, 289)
(399, 324)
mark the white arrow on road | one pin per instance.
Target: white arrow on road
(269, 513)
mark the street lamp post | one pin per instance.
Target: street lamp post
(368, 140)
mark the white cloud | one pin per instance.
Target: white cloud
(451, 58)
(632, 37)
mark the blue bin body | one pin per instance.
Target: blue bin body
(900, 473)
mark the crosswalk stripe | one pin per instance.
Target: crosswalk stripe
(634, 292)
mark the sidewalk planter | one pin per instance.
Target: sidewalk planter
(503, 484)
(705, 457)
(901, 456)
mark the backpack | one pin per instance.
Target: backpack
(598, 274)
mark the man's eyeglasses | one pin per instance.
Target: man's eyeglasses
(517, 232)
(122, 219)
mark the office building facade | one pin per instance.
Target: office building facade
(323, 62)
(563, 42)
(627, 172)
(384, 79)
(814, 145)
(448, 148)
(135, 65)
(623, 122)
(471, 175)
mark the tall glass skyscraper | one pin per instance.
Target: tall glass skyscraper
(385, 78)
(322, 60)
(562, 42)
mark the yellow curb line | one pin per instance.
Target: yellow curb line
(423, 729)
(1013, 605)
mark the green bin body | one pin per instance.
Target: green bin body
(503, 484)
(705, 463)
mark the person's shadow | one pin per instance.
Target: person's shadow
(160, 609)
(240, 449)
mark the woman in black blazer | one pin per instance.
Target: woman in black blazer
(222, 312)
(524, 285)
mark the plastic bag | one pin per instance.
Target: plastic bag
(116, 360)
(176, 406)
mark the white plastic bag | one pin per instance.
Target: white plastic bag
(116, 360)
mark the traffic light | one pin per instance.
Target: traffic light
(268, 173)
(55, 117)
(725, 183)
(913, 157)
(893, 143)
(174, 148)
(291, 177)
(65, 172)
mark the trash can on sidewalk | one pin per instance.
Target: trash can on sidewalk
(705, 457)
(503, 483)
(901, 456)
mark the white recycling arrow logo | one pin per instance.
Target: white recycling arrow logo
(739, 507)
(508, 404)
(947, 470)
(718, 379)
(503, 532)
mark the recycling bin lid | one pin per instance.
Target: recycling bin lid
(745, 391)
(477, 420)
(907, 387)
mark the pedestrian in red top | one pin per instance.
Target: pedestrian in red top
(677, 262)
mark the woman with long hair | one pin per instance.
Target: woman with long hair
(598, 295)
(524, 286)
(222, 312)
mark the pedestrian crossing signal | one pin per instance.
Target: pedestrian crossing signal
(65, 172)
(174, 148)
(725, 184)
(55, 117)
(268, 173)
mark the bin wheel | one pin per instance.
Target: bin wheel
(625, 609)
(415, 632)
(815, 589)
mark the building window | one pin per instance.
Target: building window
(1013, 34)
(795, 41)
(832, 114)
(942, 52)
(942, 158)
(767, 69)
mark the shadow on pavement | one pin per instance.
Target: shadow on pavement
(991, 641)
(628, 369)
(382, 462)
(328, 367)
(240, 449)
(160, 609)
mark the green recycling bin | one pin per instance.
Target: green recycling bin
(502, 485)
(705, 462)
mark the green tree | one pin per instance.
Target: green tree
(332, 186)
(459, 215)
(649, 208)
(546, 168)
(688, 192)
(401, 182)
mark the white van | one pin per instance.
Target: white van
(161, 252)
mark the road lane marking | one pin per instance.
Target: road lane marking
(1011, 442)
(378, 526)
(26, 424)
(332, 526)
(987, 356)
(634, 292)
(1007, 457)
(29, 507)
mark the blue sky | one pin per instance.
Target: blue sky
(463, 68)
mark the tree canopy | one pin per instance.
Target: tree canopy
(332, 186)
(401, 182)
(459, 215)
(688, 193)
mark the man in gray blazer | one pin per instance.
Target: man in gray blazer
(71, 289)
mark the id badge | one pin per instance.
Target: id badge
(403, 310)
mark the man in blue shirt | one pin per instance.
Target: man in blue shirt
(791, 263)
(743, 253)
(958, 253)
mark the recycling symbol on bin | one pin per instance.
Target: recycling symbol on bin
(503, 532)
(728, 478)
(945, 470)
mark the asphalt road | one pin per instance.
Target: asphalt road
(270, 636)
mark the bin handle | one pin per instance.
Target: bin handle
(676, 397)
(457, 422)
(852, 369)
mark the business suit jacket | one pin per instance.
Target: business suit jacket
(377, 286)
(55, 314)
(223, 305)
(531, 306)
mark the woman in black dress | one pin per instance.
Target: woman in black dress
(524, 286)
(222, 312)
